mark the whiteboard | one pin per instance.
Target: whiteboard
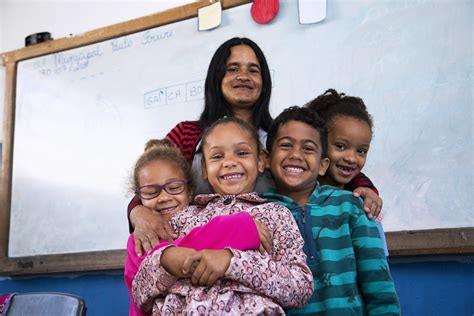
(83, 115)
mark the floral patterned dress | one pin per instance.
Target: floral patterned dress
(253, 284)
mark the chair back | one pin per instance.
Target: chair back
(46, 304)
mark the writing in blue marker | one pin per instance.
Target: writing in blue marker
(155, 98)
(75, 61)
(180, 93)
(153, 36)
(121, 43)
(165, 96)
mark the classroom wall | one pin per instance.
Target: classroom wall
(426, 286)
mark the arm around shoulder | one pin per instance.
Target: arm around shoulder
(361, 180)
(133, 203)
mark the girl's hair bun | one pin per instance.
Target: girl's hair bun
(158, 143)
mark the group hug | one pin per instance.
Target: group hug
(239, 213)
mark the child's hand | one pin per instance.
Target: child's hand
(372, 202)
(173, 258)
(265, 238)
(208, 266)
(149, 229)
(189, 265)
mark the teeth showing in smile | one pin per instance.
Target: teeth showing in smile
(232, 176)
(294, 169)
(167, 210)
(345, 168)
(347, 171)
(243, 87)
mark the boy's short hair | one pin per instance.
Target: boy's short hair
(304, 115)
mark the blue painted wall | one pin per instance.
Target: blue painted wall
(438, 286)
(426, 286)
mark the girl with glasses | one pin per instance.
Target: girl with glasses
(161, 181)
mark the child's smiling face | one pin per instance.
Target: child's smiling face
(160, 172)
(348, 145)
(295, 159)
(231, 159)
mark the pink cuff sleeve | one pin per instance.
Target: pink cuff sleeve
(132, 261)
(236, 231)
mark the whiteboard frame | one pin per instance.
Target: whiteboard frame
(400, 243)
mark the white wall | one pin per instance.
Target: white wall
(20, 18)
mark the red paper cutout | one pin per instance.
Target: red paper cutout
(263, 11)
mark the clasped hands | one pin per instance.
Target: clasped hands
(205, 267)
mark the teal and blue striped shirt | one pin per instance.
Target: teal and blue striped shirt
(345, 254)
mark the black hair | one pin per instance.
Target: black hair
(241, 123)
(304, 115)
(331, 104)
(215, 105)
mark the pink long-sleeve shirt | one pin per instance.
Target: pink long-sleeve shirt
(253, 283)
(237, 231)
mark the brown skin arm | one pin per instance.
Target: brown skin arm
(207, 266)
(173, 258)
(372, 202)
(150, 228)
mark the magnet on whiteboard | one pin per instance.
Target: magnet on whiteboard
(210, 16)
(263, 11)
(311, 11)
(37, 38)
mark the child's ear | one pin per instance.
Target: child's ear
(203, 168)
(190, 195)
(323, 166)
(267, 160)
(262, 160)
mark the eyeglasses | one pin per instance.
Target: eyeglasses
(173, 187)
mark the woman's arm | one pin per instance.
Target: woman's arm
(185, 136)
(135, 201)
(283, 276)
(149, 229)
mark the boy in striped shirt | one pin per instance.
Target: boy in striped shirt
(343, 246)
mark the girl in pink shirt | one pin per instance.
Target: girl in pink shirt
(159, 181)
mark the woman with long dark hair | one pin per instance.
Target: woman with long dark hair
(238, 84)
